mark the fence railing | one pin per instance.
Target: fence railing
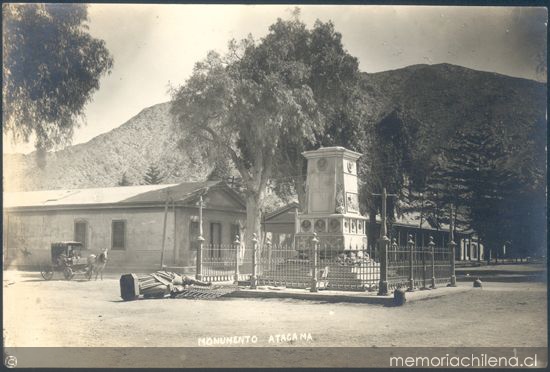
(352, 270)
(424, 266)
(320, 267)
(283, 266)
(219, 263)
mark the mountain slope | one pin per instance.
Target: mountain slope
(436, 100)
(143, 140)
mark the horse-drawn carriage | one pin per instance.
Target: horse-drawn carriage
(66, 258)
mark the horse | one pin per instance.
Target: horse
(96, 264)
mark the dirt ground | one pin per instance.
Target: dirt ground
(91, 313)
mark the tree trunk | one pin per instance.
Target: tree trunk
(300, 187)
(254, 203)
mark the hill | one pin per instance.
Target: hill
(433, 101)
(131, 148)
(439, 99)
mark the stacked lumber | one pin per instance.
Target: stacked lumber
(202, 293)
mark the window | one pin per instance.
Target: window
(118, 235)
(80, 233)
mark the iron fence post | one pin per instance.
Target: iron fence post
(452, 246)
(237, 244)
(254, 277)
(383, 249)
(431, 244)
(198, 273)
(394, 248)
(314, 278)
(424, 268)
(410, 242)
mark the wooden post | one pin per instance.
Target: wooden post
(452, 246)
(383, 243)
(200, 240)
(237, 244)
(314, 277)
(164, 233)
(410, 243)
(431, 244)
(254, 277)
(175, 253)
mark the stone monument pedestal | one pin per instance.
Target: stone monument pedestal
(332, 205)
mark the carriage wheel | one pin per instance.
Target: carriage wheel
(68, 273)
(46, 272)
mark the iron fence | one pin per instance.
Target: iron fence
(442, 257)
(280, 265)
(350, 270)
(284, 266)
(420, 269)
(287, 267)
(219, 263)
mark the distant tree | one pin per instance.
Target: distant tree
(124, 180)
(390, 153)
(51, 68)
(473, 176)
(153, 176)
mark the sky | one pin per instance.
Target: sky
(156, 46)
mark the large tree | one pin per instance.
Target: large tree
(496, 182)
(334, 79)
(263, 99)
(51, 68)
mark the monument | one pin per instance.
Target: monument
(332, 205)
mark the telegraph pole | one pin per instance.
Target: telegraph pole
(383, 243)
(384, 195)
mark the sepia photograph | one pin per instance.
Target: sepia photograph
(274, 186)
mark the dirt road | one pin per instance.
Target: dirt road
(91, 313)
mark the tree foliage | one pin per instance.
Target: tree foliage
(334, 80)
(124, 180)
(222, 169)
(51, 68)
(496, 187)
(153, 176)
(266, 101)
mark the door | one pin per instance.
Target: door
(190, 256)
(215, 238)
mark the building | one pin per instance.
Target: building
(279, 228)
(133, 222)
